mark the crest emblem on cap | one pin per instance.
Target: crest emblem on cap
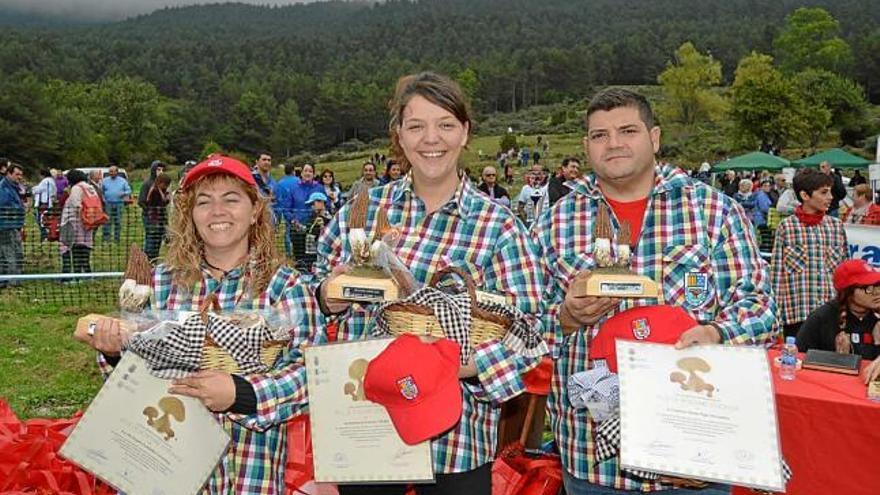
(408, 388)
(696, 289)
(641, 329)
(215, 162)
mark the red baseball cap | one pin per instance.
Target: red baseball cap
(855, 272)
(662, 324)
(219, 164)
(418, 385)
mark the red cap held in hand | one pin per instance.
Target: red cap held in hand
(662, 324)
(418, 385)
(219, 164)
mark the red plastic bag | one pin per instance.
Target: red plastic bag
(300, 467)
(29, 461)
(521, 475)
(515, 473)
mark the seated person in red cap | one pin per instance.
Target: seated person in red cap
(223, 246)
(696, 242)
(849, 324)
(442, 220)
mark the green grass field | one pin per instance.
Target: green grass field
(43, 371)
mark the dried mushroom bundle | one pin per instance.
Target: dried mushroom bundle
(624, 252)
(134, 294)
(602, 227)
(357, 218)
(602, 237)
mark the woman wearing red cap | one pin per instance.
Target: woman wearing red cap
(848, 324)
(441, 220)
(222, 246)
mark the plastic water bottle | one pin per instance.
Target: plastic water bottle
(788, 360)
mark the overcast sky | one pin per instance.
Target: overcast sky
(113, 9)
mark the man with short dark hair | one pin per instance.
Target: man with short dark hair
(262, 173)
(367, 180)
(693, 240)
(11, 222)
(561, 184)
(808, 247)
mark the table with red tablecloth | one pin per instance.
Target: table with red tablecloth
(830, 433)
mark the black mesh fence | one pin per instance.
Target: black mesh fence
(49, 255)
(52, 257)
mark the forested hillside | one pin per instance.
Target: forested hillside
(313, 76)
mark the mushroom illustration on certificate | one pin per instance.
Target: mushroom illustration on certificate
(143, 441)
(706, 412)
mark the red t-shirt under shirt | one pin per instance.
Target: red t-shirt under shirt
(632, 212)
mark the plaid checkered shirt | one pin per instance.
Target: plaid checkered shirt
(803, 262)
(254, 462)
(695, 241)
(488, 242)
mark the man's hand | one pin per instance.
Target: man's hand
(215, 389)
(334, 305)
(577, 311)
(698, 335)
(872, 372)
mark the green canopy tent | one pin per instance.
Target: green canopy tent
(756, 160)
(837, 157)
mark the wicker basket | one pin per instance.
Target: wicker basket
(216, 358)
(406, 317)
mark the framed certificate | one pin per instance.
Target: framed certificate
(142, 440)
(706, 412)
(353, 439)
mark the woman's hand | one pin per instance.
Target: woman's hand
(215, 389)
(842, 345)
(108, 336)
(872, 372)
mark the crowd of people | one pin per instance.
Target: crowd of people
(69, 208)
(698, 242)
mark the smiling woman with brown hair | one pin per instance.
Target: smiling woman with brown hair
(440, 220)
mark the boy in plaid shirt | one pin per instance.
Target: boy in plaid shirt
(808, 247)
(694, 240)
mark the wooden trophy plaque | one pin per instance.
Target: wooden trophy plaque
(365, 282)
(612, 277)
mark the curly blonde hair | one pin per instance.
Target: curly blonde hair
(185, 254)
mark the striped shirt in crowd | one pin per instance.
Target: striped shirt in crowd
(697, 243)
(485, 240)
